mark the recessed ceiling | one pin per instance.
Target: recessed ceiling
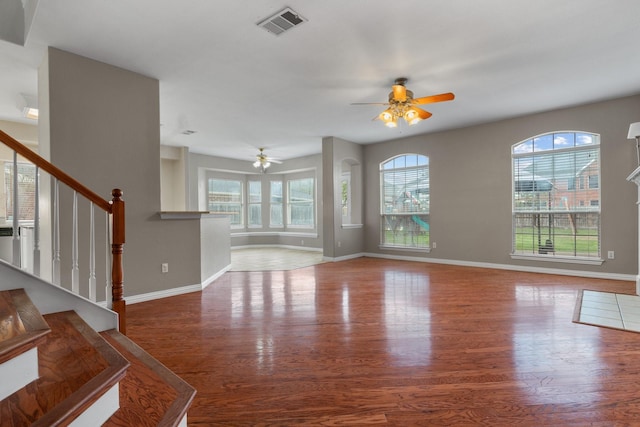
(228, 87)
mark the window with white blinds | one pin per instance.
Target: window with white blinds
(225, 197)
(254, 204)
(275, 204)
(300, 202)
(404, 201)
(556, 195)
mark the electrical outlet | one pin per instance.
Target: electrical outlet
(611, 255)
(165, 267)
(339, 243)
(433, 245)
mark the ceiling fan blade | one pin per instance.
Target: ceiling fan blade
(422, 113)
(274, 161)
(399, 93)
(434, 98)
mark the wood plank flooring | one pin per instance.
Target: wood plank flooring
(383, 342)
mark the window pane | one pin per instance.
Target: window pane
(523, 147)
(563, 140)
(255, 192)
(300, 203)
(225, 197)
(275, 205)
(405, 202)
(254, 209)
(255, 215)
(543, 143)
(586, 139)
(556, 196)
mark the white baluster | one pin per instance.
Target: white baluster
(92, 255)
(55, 265)
(36, 226)
(108, 239)
(75, 279)
(16, 213)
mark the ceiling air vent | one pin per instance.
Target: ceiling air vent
(282, 21)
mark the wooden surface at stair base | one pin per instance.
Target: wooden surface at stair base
(150, 395)
(76, 367)
(23, 328)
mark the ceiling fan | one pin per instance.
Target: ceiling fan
(263, 161)
(402, 104)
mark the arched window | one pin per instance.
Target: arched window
(556, 195)
(404, 201)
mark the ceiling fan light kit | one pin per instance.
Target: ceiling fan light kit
(403, 105)
(263, 162)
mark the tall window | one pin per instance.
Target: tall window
(300, 205)
(254, 210)
(275, 204)
(404, 201)
(225, 196)
(556, 195)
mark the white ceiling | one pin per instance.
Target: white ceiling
(239, 87)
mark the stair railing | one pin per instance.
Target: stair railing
(115, 229)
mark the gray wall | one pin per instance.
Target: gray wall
(342, 240)
(101, 125)
(215, 244)
(470, 175)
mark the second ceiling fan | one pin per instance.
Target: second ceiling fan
(402, 104)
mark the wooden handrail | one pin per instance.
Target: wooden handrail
(115, 207)
(60, 175)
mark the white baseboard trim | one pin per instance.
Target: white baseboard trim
(343, 258)
(211, 279)
(522, 268)
(134, 299)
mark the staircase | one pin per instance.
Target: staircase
(60, 368)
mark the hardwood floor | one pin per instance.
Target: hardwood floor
(371, 341)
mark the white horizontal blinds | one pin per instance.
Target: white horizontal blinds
(556, 195)
(225, 197)
(300, 202)
(275, 204)
(254, 209)
(405, 201)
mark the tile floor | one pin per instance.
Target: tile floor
(272, 258)
(619, 311)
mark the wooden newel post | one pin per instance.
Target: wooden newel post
(117, 245)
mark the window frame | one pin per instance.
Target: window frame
(274, 204)
(309, 203)
(412, 218)
(570, 216)
(241, 201)
(251, 203)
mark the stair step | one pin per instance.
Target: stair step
(21, 324)
(77, 366)
(150, 394)
(22, 328)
